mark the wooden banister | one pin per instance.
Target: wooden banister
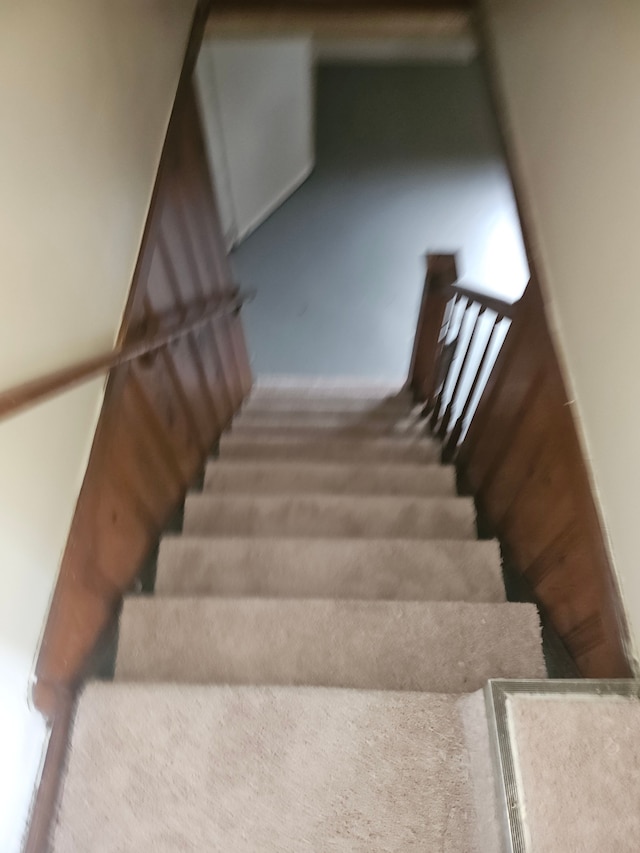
(522, 459)
(179, 371)
(167, 329)
(436, 348)
(440, 277)
(513, 438)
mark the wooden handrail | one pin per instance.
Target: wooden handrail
(511, 433)
(491, 303)
(166, 329)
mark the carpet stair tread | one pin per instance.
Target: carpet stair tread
(387, 645)
(335, 478)
(274, 770)
(393, 569)
(302, 515)
(321, 447)
(330, 423)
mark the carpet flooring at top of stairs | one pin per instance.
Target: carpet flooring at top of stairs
(313, 388)
(393, 420)
(168, 768)
(334, 424)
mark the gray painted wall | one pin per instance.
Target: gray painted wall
(408, 161)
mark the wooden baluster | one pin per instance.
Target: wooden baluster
(444, 426)
(429, 342)
(451, 446)
(448, 352)
(443, 356)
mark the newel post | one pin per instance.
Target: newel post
(441, 274)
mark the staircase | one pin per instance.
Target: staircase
(306, 676)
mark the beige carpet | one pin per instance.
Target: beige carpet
(166, 768)
(332, 424)
(294, 403)
(320, 447)
(383, 421)
(391, 569)
(578, 760)
(295, 684)
(330, 516)
(318, 477)
(442, 647)
(312, 388)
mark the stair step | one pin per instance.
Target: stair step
(370, 645)
(346, 387)
(337, 568)
(329, 515)
(325, 430)
(283, 403)
(318, 447)
(333, 478)
(161, 768)
(333, 423)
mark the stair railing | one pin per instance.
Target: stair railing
(459, 335)
(493, 389)
(151, 338)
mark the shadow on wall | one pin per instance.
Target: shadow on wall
(408, 161)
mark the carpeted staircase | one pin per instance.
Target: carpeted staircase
(305, 677)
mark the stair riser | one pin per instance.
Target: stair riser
(309, 516)
(310, 406)
(266, 478)
(327, 403)
(325, 430)
(318, 449)
(452, 648)
(381, 424)
(382, 569)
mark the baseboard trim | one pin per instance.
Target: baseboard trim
(45, 801)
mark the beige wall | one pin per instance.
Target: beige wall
(570, 74)
(86, 88)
